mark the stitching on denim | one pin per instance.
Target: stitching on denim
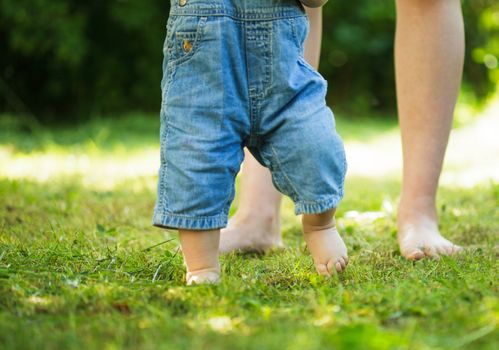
(270, 66)
(162, 201)
(171, 69)
(173, 221)
(248, 15)
(290, 183)
(238, 18)
(274, 168)
(217, 216)
(170, 72)
(227, 202)
(345, 167)
(294, 33)
(199, 35)
(303, 206)
(232, 193)
(320, 203)
(163, 179)
(167, 48)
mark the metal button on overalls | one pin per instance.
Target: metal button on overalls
(187, 46)
(182, 2)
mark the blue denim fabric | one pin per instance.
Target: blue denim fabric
(234, 76)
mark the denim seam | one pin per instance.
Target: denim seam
(251, 106)
(164, 182)
(329, 198)
(167, 53)
(232, 193)
(281, 169)
(165, 170)
(164, 219)
(165, 120)
(345, 167)
(268, 88)
(223, 212)
(281, 187)
(245, 16)
(309, 207)
(163, 116)
(238, 19)
(294, 33)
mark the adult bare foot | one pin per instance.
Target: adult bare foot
(418, 236)
(251, 233)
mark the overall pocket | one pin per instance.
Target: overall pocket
(184, 34)
(185, 38)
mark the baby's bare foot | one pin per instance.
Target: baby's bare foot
(328, 250)
(420, 237)
(206, 276)
(251, 234)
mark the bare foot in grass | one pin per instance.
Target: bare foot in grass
(418, 236)
(254, 233)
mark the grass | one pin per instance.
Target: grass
(81, 266)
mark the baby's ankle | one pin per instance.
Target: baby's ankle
(318, 222)
(200, 251)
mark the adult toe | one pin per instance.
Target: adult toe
(413, 254)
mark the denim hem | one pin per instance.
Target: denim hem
(173, 221)
(317, 207)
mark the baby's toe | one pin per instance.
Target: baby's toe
(343, 263)
(322, 270)
(331, 266)
(335, 265)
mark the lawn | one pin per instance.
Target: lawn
(82, 268)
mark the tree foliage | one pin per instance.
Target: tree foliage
(61, 59)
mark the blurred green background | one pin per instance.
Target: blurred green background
(63, 60)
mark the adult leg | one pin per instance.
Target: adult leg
(256, 224)
(429, 54)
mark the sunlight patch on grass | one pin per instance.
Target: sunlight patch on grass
(104, 171)
(105, 163)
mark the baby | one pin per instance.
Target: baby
(234, 76)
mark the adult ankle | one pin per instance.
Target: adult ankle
(265, 216)
(414, 207)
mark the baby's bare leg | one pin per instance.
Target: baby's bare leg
(200, 250)
(324, 243)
